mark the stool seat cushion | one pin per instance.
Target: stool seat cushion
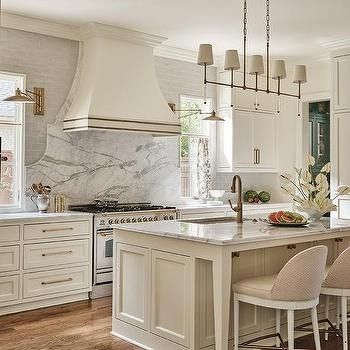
(259, 287)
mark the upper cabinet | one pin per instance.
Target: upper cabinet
(246, 141)
(340, 126)
(245, 99)
(341, 82)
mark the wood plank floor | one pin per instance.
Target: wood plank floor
(81, 326)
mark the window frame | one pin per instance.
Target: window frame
(208, 133)
(20, 148)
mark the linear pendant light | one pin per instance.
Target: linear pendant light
(256, 66)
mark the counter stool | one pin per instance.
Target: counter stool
(296, 287)
(337, 283)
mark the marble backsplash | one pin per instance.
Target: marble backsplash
(134, 167)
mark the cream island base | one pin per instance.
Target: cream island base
(172, 280)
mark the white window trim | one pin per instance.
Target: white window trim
(21, 156)
(211, 135)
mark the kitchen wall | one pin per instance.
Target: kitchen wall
(86, 165)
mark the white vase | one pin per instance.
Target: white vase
(314, 214)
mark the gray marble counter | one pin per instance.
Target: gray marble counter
(231, 233)
(38, 217)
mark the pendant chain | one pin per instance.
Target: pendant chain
(268, 21)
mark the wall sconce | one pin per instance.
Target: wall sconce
(211, 115)
(36, 97)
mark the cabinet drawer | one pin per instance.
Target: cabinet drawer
(56, 253)
(56, 281)
(59, 229)
(9, 233)
(9, 288)
(9, 258)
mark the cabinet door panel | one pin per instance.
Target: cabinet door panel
(224, 142)
(265, 139)
(342, 82)
(171, 297)
(244, 142)
(343, 164)
(132, 299)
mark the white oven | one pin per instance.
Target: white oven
(103, 244)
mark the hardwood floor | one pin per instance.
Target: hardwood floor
(82, 326)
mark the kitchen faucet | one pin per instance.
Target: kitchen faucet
(239, 207)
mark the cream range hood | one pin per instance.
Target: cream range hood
(118, 88)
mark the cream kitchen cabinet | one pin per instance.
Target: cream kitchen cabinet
(44, 261)
(244, 265)
(341, 74)
(245, 99)
(160, 282)
(246, 142)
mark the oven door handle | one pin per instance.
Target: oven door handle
(104, 234)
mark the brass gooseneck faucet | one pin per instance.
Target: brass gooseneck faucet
(237, 187)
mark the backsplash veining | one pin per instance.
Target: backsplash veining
(82, 167)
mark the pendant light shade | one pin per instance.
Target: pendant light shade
(300, 74)
(278, 69)
(205, 55)
(256, 65)
(19, 97)
(214, 117)
(231, 60)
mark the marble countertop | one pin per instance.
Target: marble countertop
(36, 216)
(231, 233)
(249, 206)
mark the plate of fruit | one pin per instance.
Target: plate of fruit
(287, 219)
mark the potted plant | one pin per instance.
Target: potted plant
(311, 193)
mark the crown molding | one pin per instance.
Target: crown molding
(336, 44)
(179, 54)
(34, 25)
(106, 31)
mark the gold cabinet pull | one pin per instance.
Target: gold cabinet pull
(339, 239)
(258, 156)
(255, 156)
(103, 234)
(58, 229)
(57, 253)
(44, 283)
(291, 246)
(235, 255)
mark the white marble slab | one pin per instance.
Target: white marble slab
(232, 233)
(37, 217)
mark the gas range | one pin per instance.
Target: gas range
(107, 213)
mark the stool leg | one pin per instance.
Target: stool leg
(236, 322)
(344, 321)
(315, 328)
(290, 321)
(337, 312)
(278, 327)
(326, 316)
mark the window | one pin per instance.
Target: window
(11, 143)
(193, 129)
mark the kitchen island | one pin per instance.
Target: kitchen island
(172, 280)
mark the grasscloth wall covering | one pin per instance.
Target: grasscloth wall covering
(86, 165)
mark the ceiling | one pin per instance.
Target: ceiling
(298, 27)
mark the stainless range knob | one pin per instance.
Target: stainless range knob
(128, 220)
(150, 219)
(116, 221)
(110, 221)
(171, 217)
(139, 219)
(144, 219)
(155, 218)
(122, 221)
(166, 217)
(133, 220)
